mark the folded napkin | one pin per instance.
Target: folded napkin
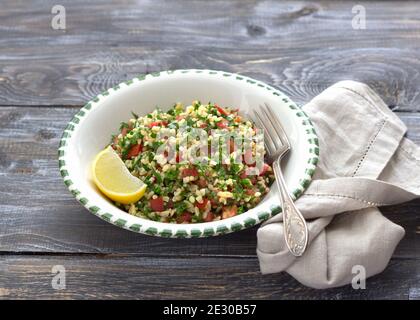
(365, 162)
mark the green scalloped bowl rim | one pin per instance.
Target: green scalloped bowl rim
(195, 232)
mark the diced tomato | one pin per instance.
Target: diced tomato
(158, 123)
(243, 175)
(180, 157)
(185, 217)
(203, 125)
(124, 131)
(179, 117)
(238, 119)
(189, 172)
(134, 151)
(223, 124)
(202, 205)
(214, 202)
(229, 212)
(231, 145)
(202, 183)
(264, 169)
(250, 192)
(221, 110)
(209, 217)
(157, 204)
(248, 157)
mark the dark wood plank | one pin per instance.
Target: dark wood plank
(300, 47)
(40, 215)
(414, 294)
(116, 277)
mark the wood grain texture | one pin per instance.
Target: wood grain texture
(120, 277)
(40, 215)
(299, 47)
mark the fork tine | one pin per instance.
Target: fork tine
(274, 124)
(270, 127)
(269, 143)
(266, 146)
(278, 127)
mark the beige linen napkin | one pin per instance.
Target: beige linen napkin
(365, 162)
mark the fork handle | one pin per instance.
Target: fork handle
(295, 228)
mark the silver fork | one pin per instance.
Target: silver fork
(277, 145)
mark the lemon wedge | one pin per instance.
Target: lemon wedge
(112, 177)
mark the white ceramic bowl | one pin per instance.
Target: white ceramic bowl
(91, 128)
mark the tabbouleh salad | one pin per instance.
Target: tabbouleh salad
(184, 192)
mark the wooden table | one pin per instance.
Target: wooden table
(47, 74)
